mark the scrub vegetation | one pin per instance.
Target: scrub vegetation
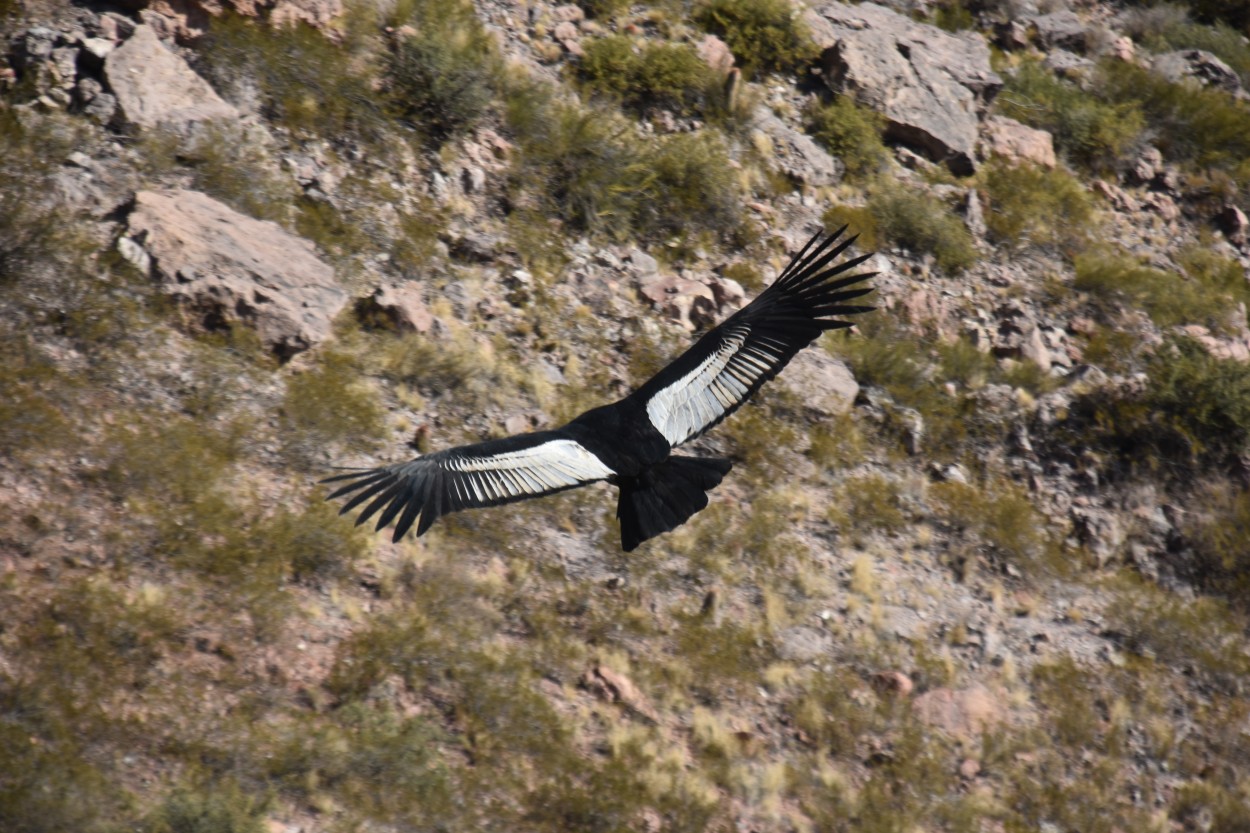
(988, 589)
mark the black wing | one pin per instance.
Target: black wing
(483, 474)
(713, 378)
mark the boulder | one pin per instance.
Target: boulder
(1010, 139)
(1198, 65)
(156, 88)
(399, 307)
(1061, 30)
(824, 385)
(931, 85)
(796, 154)
(226, 267)
(963, 714)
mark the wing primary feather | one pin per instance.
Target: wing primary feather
(379, 502)
(408, 516)
(428, 516)
(375, 487)
(401, 499)
(820, 259)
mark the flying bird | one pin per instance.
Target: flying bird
(630, 443)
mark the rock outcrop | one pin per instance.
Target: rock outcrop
(227, 267)
(930, 85)
(156, 88)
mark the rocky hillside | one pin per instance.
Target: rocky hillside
(983, 563)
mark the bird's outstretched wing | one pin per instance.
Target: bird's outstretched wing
(482, 474)
(729, 363)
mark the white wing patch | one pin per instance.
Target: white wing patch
(687, 407)
(529, 471)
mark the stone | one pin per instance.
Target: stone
(156, 88)
(1099, 531)
(796, 154)
(715, 53)
(1060, 30)
(397, 306)
(930, 85)
(225, 267)
(617, 688)
(824, 385)
(803, 643)
(1068, 65)
(893, 683)
(642, 264)
(1147, 165)
(316, 13)
(1232, 221)
(963, 714)
(1010, 139)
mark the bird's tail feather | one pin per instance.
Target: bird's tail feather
(663, 497)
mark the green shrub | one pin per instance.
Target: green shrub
(691, 188)
(1193, 411)
(850, 132)
(953, 16)
(1232, 12)
(1000, 518)
(1207, 296)
(331, 403)
(1027, 204)
(442, 69)
(1217, 530)
(1193, 125)
(764, 35)
(859, 220)
(595, 172)
(35, 397)
(922, 224)
(1089, 131)
(869, 503)
(670, 75)
(208, 808)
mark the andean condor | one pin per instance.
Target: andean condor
(630, 443)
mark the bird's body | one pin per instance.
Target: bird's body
(630, 443)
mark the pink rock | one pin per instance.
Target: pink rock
(1009, 138)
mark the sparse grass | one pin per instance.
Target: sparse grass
(470, 369)
(1028, 205)
(764, 35)
(1089, 131)
(208, 808)
(34, 398)
(850, 132)
(869, 503)
(296, 75)
(226, 162)
(1202, 633)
